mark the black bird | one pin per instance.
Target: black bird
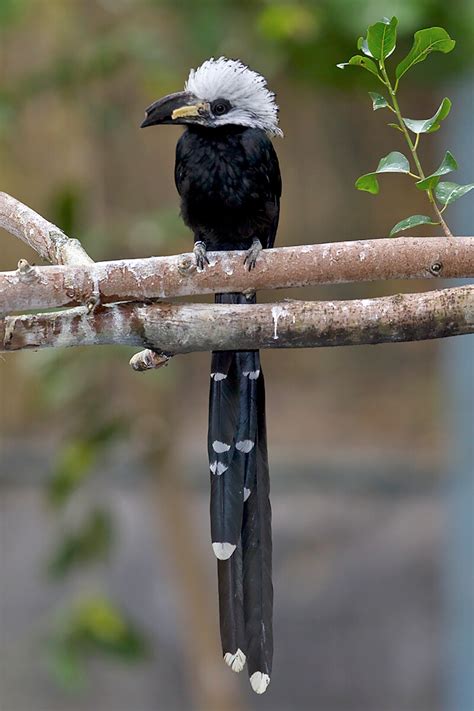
(228, 177)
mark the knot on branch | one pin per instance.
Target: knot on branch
(186, 265)
(65, 250)
(93, 302)
(57, 243)
(27, 274)
(148, 359)
(436, 268)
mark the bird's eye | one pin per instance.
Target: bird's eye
(220, 107)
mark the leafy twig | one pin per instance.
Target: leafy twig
(412, 146)
(377, 46)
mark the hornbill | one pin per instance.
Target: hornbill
(228, 178)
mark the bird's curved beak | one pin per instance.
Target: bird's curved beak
(179, 108)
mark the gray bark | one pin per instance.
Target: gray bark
(166, 277)
(183, 328)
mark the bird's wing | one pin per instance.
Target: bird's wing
(261, 153)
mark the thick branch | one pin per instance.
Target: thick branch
(183, 328)
(165, 277)
(42, 236)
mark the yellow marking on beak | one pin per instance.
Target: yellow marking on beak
(188, 111)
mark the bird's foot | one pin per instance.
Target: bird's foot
(200, 255)
(251, 255)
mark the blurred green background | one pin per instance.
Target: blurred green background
(108, 591)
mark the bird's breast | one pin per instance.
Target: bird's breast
(222, 192)
(220, 177)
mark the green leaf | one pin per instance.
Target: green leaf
(395, 125)
(448, 164)
(359, 61)
(412, 221)
(382, 38)
(432, 124)
(362, 45)
(447, 193)
(432, 39)
(394, 162)
(378, 101)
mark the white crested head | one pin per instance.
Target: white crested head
(251, 102)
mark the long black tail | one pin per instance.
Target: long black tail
(240, 508)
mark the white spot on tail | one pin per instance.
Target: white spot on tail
(235, 661)
(245, 445)
(247, 493)
(218, 376)
(220, 447)
(218, 468)
(259, 682)
(252, 374)
(223, 551)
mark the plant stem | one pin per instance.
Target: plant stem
(413, 147)
(445, 227)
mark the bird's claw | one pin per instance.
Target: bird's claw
(200, 255)
(251, 255)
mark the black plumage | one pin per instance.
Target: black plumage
(257, 556)
(230, 186)
(229, 181)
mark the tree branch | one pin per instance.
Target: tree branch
(42, 236)
(183, 328)
(82, 281)
(166, 277)
(165, 329)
